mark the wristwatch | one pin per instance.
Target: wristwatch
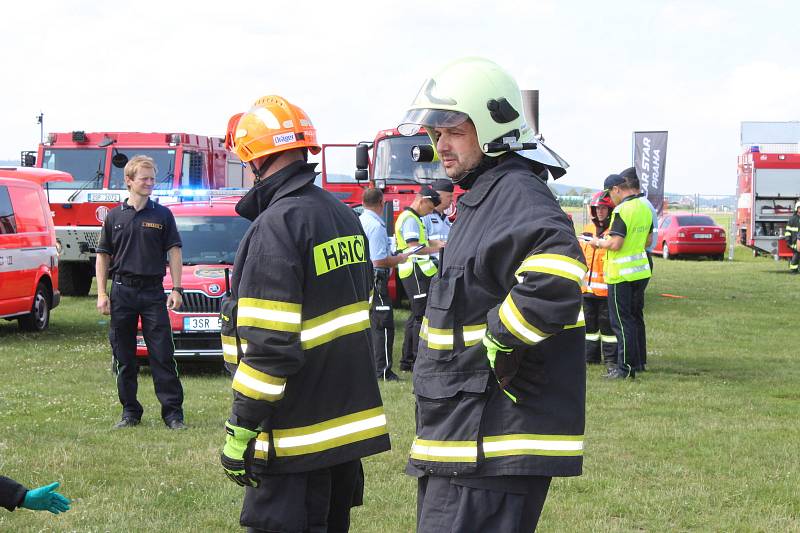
(179, 290)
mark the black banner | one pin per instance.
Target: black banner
(650, 158)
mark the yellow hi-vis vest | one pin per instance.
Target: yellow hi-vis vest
(629, 263)
(424, 262)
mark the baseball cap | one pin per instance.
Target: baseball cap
(443, 185)
(427, 192)
(613, 180)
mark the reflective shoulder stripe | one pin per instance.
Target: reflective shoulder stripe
(558, 265)
(258, 385)
(330, 434)
(342, 321)
(473, 334)
(445, 451)
(531, 444)
(269, 314)
(513, 320)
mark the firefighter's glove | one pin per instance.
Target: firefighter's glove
(237, 453)
(46, 499)
(503, 362)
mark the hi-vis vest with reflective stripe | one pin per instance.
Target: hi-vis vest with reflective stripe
(594, 282)
(422, 261)
(629, 263)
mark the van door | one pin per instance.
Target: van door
(11, 280)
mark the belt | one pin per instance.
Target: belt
(140, 282)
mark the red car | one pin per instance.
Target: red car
(689, 234)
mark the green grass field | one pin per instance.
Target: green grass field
(707, 440)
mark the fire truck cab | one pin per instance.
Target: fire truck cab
(96, 161)
(28, 254)
(210, 232)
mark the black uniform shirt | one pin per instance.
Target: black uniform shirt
(137, 241)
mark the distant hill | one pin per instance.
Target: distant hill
(9, 163)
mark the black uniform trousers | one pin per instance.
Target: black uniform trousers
(794, 262)
(508, 504)
(128, 303)
(381, 319)
(595, 311)
(626, 314)
(416, 286)
(308, 502)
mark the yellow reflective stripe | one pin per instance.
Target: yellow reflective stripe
(512, 319)
(580, 323)
(593, 336)
(531, 444)
(330, 434)
(342, 321)
(269, 314)
(473, 334)
(230, 352)
(456, 451)
(258, 385)
(608, 338)
(262, 446)
(558, 265)
(630, 258)
(437, 339)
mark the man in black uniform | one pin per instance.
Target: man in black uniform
(500, 375)
(306, 404)
(790, 234)
(136, 240)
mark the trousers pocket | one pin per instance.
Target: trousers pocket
(232, 350)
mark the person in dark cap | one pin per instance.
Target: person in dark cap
(626, 269)
(416, 272)
(437, 223)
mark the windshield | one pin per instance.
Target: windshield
(85, 165)
(695, 220)
(210, 240)
(393, 161)
(165, 162)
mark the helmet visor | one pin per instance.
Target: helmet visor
(430, 118)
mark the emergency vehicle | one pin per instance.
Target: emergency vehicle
(28, 255)
(768, 187)
(96, 161)
(390, 168)
(210, 232)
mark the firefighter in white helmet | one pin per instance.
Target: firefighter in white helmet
(791, 234)
(306, 405)
(500, 374)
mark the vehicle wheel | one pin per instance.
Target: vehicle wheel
(665, 251)
(39, 317)
(74, 279)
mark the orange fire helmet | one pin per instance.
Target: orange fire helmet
(272, 125)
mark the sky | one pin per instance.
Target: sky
(603, 69)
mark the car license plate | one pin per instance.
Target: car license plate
(702, 235)
(103, 197)
(202, 323)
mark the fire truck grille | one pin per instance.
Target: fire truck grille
(198, 302)
(92, 238)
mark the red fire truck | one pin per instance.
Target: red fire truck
(769, 186)
(96, 161)
(390, 168)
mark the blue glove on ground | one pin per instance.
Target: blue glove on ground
(46, 499)
(238, 443)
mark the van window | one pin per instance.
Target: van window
(8, 224)
(29, 213)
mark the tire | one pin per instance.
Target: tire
(665, 251)
(74, 279)
(39, 317)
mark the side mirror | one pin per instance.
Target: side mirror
(362, 157)
(362, 175)
(119, 160)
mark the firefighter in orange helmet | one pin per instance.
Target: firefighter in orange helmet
(600, 338)
(296, 333)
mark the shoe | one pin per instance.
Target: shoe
(176, 424)
(620, 374)
(390, 376)
(126, 422)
